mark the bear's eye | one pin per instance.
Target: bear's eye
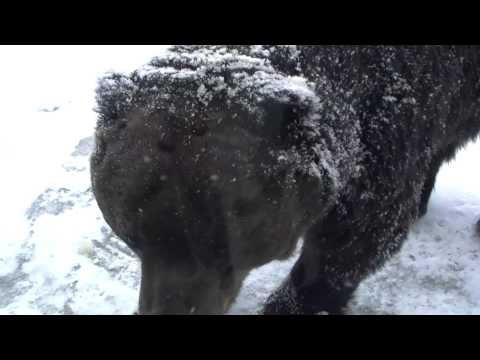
(244, 207)
(164, 146)
(121, 124)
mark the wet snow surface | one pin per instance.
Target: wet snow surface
(58, 256)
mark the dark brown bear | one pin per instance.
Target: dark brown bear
(214, 160)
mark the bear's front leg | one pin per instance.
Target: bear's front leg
(319, 298)
(335, 258)
(305, 293)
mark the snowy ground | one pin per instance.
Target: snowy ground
(58, 256)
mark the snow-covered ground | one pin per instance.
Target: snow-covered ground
(58, 256)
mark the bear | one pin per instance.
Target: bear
(213, 160)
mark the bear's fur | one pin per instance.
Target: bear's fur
(214, 160)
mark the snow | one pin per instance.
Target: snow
(58, 256)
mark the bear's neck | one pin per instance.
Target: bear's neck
(331, 146)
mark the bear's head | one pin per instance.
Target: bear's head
(205, 176)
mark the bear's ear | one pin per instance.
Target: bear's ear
(282, 121)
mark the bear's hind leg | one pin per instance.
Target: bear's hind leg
(431, 178)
